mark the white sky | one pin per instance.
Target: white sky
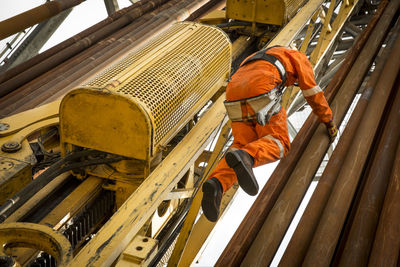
(82, 17)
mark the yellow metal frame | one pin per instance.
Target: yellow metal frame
(35, 236)
(195, 206)
(16, 163)
(113, 238)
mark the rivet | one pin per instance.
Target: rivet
(4, 126)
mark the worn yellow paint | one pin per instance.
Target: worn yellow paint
(296, 24)
(104, 121)
(27, 118)
(36, 236)
(116, 234)
(214, 17)
(327, 37)
(15, 169)
(33, 201)
(202, 229)
(25, 132)
(138, 105)
(64, 211)
(139, 252)
(195, 206)
(272, 12)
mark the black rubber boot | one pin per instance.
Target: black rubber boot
(212, 195)
(242, 163)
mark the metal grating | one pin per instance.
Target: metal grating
(194, 59)
(108, 74)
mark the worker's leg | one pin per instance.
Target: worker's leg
(223, 177)
(272, 141)
(243, 133)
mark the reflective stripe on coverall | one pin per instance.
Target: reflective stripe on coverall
(271, 142)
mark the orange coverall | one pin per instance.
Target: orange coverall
(271, 142)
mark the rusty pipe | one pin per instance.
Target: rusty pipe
(360, 237)
(12, 102)
(328, 231)
(276, 224)
(297, 247)
(57, 48)
(52, 61)
(83, 66)
(136, 35)
(240, 242)
(386, 247)
(34, 16)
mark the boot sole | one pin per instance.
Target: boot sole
(210, 209)
(246, 179)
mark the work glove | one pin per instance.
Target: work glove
(332, 129)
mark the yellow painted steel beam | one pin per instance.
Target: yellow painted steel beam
(24, 119)
(195, 206)
(116, 234)
(202, 229)
(326, 29)
(327, 38)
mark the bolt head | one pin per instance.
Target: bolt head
(4, 126)
(11, 147)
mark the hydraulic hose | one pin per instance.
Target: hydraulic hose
(12, 204)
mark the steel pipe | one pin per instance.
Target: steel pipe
(360, 237)
(54, 60)
(328, 231)
(57, 48)
(82, 69)
(86, 62)
(385, 251)
(34, 16)
(295, 252)
(251, 224)
(274, 228)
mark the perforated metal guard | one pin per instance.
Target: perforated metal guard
(192, 59)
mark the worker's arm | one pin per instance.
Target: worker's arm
(312, 92)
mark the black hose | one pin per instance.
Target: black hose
(12, 204)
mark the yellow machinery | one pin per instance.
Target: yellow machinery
(134, 108)
(275, 12)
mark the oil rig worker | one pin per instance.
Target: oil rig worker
(259, 123)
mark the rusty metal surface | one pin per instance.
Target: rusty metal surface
(360, 237)
(66, 76)
(250, 226)
(386, 247)
(79, 45)
(329, 228)
(295, 252)
(31, 17)
(55, 49)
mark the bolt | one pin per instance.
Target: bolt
(4, 126)
(11, 147)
